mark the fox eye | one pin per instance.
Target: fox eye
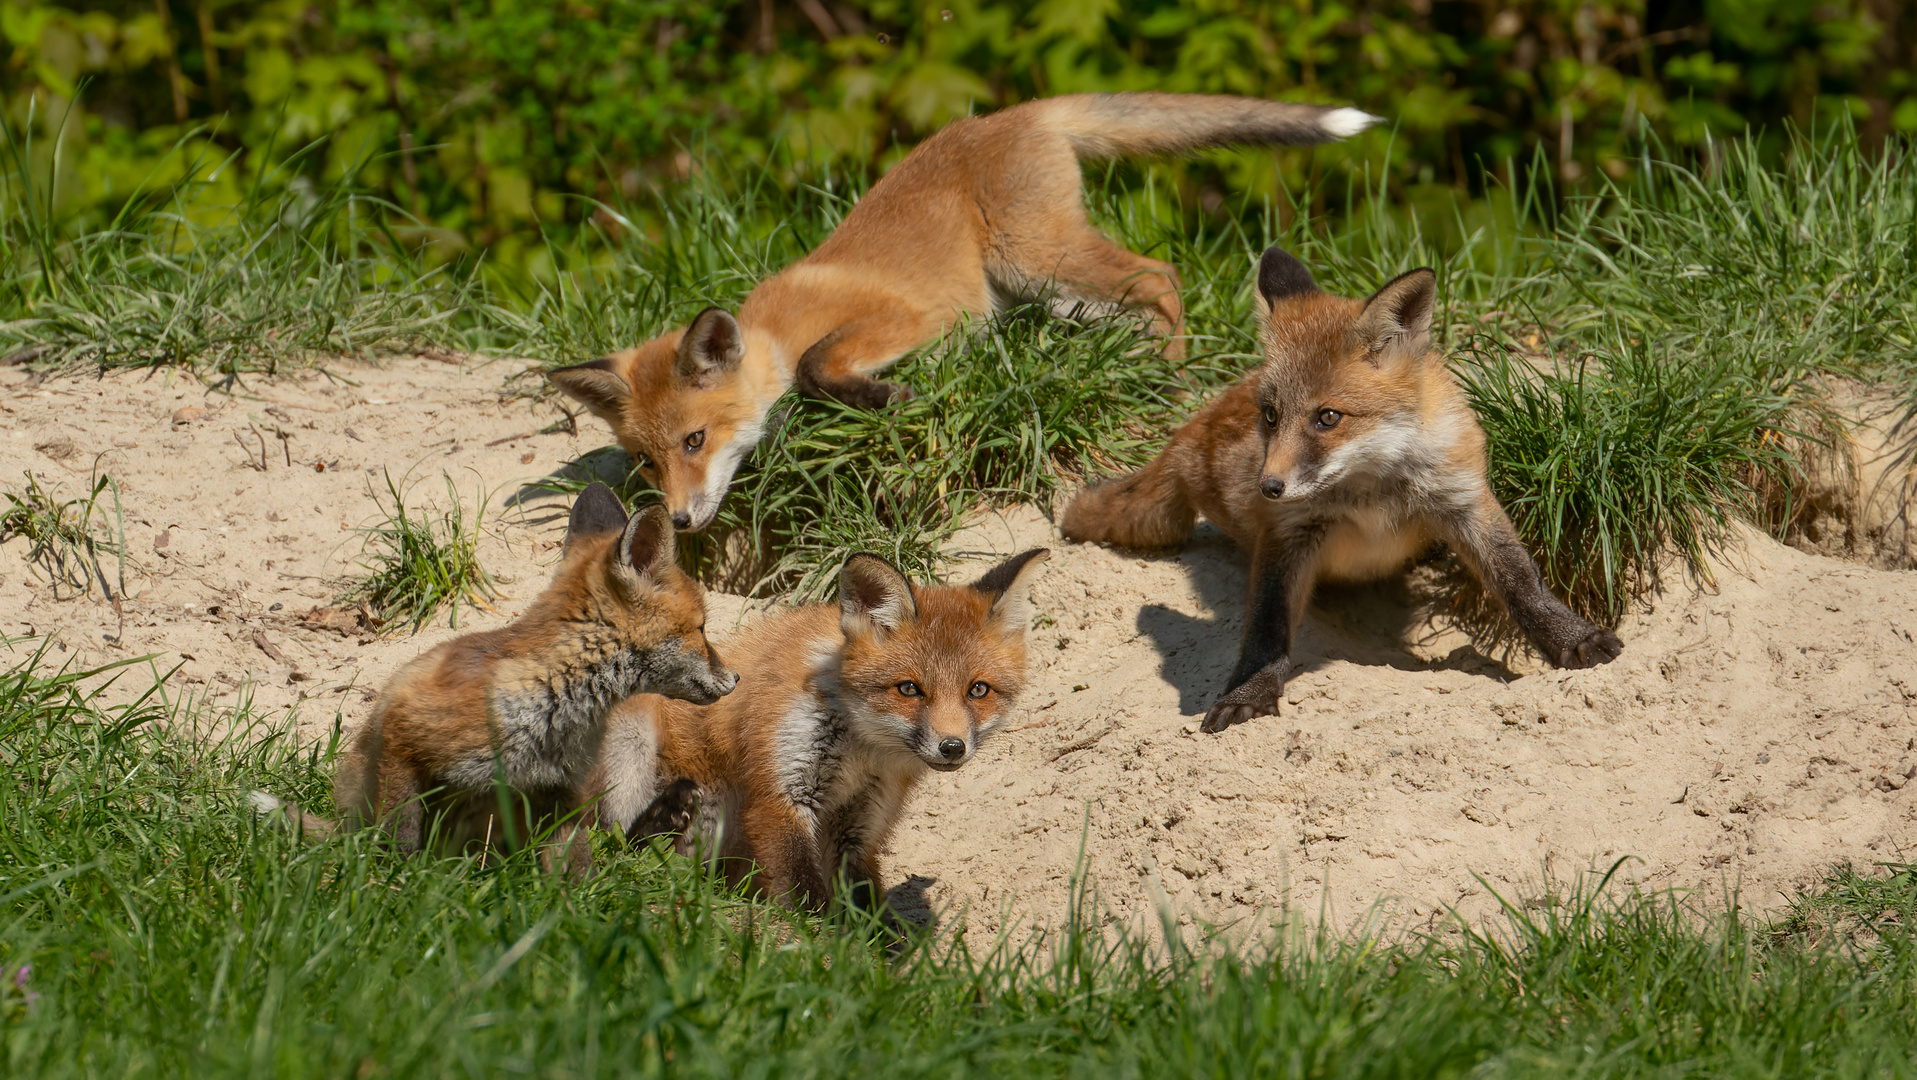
(641, 461)
(695, 440)
(1328, 419)
(1271, 417)
(908, 688)
(980, 689)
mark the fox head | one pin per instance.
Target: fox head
(679, 406)
(927, 672)
(1341, 396)
(619, 574)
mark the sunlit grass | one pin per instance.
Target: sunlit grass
(166, 931)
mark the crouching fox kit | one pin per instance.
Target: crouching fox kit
(987, 212)
(486, 736)
(1342, 457)
(804, 770)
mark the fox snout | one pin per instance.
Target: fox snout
(945, 753)
(691, 675)
(1271, 486)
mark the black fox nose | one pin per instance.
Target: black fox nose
(953, 749)
(681, 520)
(1273, 487)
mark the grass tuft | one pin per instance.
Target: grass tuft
(419, 565)
(61, 542)
(166, 931)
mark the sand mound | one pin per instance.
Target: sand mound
(1753, 733)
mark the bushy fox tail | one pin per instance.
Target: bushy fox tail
(1126, 124)
(1147, 509)
(278, 811)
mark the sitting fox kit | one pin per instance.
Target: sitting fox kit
(1341, 458)
(805, 769)
(525, 705)
(987, 212)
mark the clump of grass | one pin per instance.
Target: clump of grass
(168, 932)
(213, 272)
(419, 565)
(62, 543)
(1610, 459)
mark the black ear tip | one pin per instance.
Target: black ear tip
(1281, 275)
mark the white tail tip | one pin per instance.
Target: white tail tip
(1344, 123)
(263, 803)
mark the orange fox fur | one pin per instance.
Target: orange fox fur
(804, 770)
(988, 211)
(1341, 458)
(485, 738)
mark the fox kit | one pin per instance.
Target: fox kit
(1342, 457)
(804, 770)
(988, 211)
(525, 705)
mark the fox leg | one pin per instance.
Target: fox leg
(835, 366)
(1488, 543)
(783, 845)
(1148, 509)
(1282, 569)
(1093, 268)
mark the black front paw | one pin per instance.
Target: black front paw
(1597, 647)
(1256, 696)
(671, 813)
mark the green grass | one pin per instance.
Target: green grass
(63, 545)
(167, 933)
(419, 564)
(1648, 359)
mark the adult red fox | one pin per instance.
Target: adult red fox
(803, 771)
(488, 736)
(1341, 458)
(988, 211)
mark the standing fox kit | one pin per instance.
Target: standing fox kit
(1341, 458)
(987, 212)
(804, 770)
(525, 706)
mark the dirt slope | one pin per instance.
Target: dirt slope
(1753, 733)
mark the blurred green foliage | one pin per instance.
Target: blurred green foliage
(491, 126)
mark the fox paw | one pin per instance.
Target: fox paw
(1597, 647)
(670, 814)
(1256, 696)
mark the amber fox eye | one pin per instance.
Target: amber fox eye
(980, 689)
(1328, 419)
(641, 461)
(695, 440)
(908, 688)
(1271, 417)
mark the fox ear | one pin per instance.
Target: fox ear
(1400, 313)
(713, 346)
(1009, 585)
(649, 544)
(1281, 276)
(597, 386)
(873, 597)
(595, 512)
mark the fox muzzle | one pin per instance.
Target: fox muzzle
(1271, 487)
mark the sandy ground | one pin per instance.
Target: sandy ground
(1755, 731)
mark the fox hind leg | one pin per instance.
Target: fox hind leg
(1088, 266)
(1148, 509)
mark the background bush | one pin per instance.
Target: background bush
(482, 123)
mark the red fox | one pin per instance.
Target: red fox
(988, 211)
(805, 769)
(1341, 458)
(525, 706)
